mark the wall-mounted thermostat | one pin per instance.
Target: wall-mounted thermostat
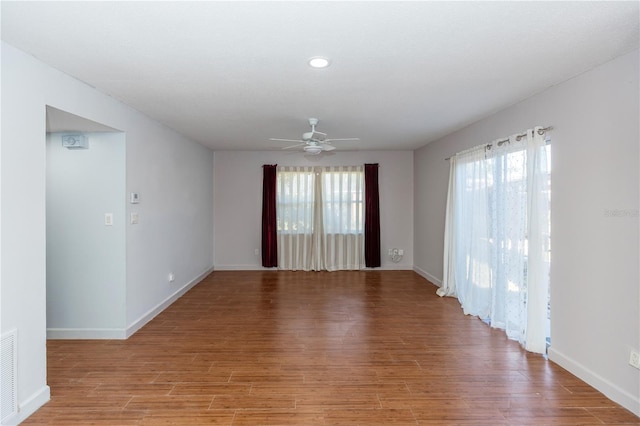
(134, 198)
(75, 141)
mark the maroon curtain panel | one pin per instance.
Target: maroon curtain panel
(269, 225)
(371, 217)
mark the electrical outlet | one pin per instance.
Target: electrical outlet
(256, 252)
(171, 277)
(634, 359)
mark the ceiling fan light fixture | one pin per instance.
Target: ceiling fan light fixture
(313, 149)
(318, 62)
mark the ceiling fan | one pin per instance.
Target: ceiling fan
(313, 142)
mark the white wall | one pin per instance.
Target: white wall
(595, 299)
(238, 201)
(86, 265)
(173, 175)
(175, 234)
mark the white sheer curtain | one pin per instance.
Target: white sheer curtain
(496, 258)
(320, 218)
(295, 192)
(343, 217)
(539, 240)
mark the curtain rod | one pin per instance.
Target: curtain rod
(518, 137)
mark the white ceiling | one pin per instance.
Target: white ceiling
(232, 74)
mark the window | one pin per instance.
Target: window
(295, 199)
(343, 202)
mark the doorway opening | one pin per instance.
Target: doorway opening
(85, 227)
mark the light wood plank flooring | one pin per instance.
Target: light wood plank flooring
(323, 348)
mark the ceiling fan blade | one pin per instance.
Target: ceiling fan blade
(341, 139)
(285, 140)
(313, 142)
(294, 146)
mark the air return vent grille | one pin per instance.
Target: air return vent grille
(8, 371)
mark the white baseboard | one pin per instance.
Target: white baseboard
(29, 406)
(242, 268)
(428, 276)
(120, 333)
(149, 315)
(86, 333)
(391, 267)
(610, 390)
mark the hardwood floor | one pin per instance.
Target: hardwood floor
(324, 348)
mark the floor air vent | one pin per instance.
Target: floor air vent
(8, 370)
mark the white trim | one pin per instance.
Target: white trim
(120, 333)
(242, 268)
(144, 319)
(29, 406)
(610, 390)
(433, 280)
(392, 267)
(86, 333)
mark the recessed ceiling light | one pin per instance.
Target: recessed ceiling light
(318, 62)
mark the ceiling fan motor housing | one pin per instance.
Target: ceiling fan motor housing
(313, 136)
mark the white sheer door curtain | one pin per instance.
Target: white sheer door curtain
(320, 218)
(497, 242)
